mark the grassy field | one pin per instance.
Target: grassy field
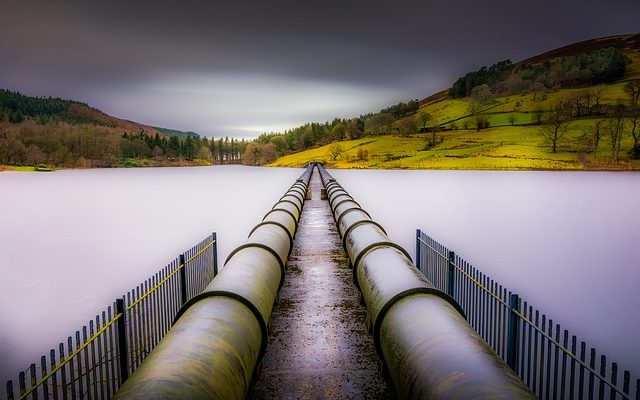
(502, 146)
(506, 147)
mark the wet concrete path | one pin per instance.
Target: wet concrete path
(319, 346)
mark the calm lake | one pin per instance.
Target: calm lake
(73, 241)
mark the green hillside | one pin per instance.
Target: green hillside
(501, 117)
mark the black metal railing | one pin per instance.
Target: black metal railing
(546, 357)
(99, 360)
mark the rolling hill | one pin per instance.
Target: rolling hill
(68, 134)
(499, 123)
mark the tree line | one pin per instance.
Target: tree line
(611, 123)
(85, 145)
(504, 78)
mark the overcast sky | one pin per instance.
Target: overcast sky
(240, 68)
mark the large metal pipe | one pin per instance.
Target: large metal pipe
(220, 335)
(420, 333)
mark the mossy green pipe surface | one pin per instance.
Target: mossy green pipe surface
(427, 346)
(432, 353)
(210, 353)
(220, 335)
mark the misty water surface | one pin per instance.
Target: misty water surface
(567, 242)
(71, 241)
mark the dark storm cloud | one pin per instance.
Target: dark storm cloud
(107, 53)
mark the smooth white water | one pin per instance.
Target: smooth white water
(566, 242)
(72, 241)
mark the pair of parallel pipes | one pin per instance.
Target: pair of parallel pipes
(419, 332)
(219, 336)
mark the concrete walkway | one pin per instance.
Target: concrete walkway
(319, 346)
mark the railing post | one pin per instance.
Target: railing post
(451, 273)
(513, 333)
(215, 254)
(122, 340)
(418, 235)
(10, 395)
(183, 280)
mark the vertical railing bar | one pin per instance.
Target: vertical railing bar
(54, 377)
(147, 321)
(583, 358)
(105, 371)
(534, 369)
(592, 365)
(614, 379)
(43, 373)
(130, 331)
(572, 374)
(138, 313)
(113, 349)
(154, 312)
(603, 376)
(556, 355)
(512, 333)
(87, 366)
(10, 393)
(626, 381)
(79, 366)
(523, 340)
(93, 364)
(99, 364)
(123, 352)
(63, 372)
(22, 383)
(548, 367)
(34, 380)
(563, 374)
(542, 357)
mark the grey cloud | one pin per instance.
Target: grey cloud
(78, 48)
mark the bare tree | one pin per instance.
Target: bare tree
(335, 151)
(473, 108)
(556, 123)
(434, 130)
(615, 126)
(512, 119)
(596, 134)
(424, 118)
(634, 119)
(632, 89)
(478, 121)
(597, 97)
